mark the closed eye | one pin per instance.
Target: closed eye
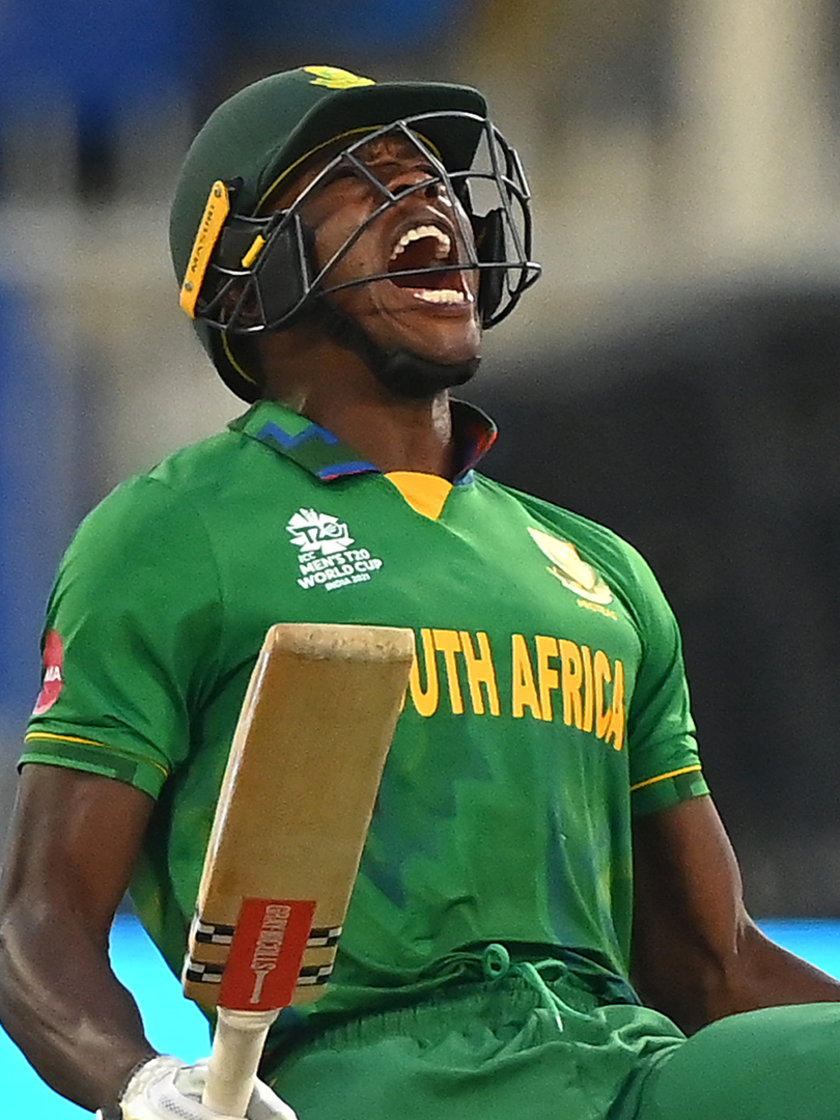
(338, 173)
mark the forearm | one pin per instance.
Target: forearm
(694, 985)
(763, 974)
(74, 1021)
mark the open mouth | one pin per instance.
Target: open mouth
(421, 248)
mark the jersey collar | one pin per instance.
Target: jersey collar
(326, 457)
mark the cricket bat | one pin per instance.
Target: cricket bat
(291, 821)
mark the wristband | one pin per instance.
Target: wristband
(114, 1111)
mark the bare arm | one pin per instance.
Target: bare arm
(74, 839)
(697, 955)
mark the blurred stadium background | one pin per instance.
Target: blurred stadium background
(674, 374)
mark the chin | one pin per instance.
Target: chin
(420, 364)
(394, 361)
(407, 374)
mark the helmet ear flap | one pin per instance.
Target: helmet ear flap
(274, 259)
(490, 246)
(284, 270)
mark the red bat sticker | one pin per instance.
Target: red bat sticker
(265, 954)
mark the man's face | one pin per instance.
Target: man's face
(435, 315)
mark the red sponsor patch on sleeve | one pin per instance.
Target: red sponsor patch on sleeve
(52, 680)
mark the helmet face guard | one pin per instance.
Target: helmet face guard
(261, 272)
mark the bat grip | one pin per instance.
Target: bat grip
(237, 1049)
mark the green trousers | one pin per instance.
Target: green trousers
(496, 1051)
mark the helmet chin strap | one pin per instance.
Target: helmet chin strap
(406, 374)
(401, 371)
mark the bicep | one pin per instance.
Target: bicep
(73, 841)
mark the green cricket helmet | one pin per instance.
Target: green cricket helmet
(244, 268)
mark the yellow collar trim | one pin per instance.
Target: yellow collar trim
(425, 493)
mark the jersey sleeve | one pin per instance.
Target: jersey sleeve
(130, 639)
(665, 766)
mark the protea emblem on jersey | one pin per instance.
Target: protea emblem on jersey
(568, 567)
(318, 532)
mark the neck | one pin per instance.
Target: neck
(336, 389)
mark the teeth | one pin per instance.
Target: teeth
(440, 295)
(443, 242)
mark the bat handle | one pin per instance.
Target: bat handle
(237, 1049)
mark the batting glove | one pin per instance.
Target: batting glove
(164, 1088)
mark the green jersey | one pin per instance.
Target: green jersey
(547, 700)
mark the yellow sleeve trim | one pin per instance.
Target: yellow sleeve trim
(62, 738)
(662, 777)
(93, 743)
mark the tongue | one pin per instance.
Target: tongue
(420, 280)
(419, 254)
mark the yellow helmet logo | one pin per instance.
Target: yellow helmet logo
(334, 78)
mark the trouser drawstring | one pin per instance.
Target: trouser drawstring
(496, 965)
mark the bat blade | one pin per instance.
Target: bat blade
(293, 812)
(291, 821)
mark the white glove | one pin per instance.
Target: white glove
(164, 1088)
